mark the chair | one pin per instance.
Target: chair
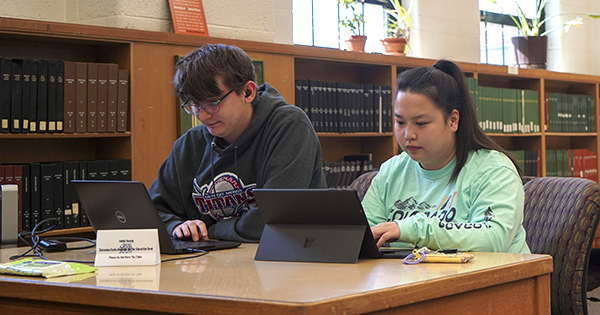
(361, 183)
(560, 217)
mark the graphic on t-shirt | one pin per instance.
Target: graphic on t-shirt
(444, 212)
(224, 197)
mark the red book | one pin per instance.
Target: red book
(92, 96)
(81, 98)
(123, 100)
(102, 109)
(70, 79)
(2, 175)
(9, 177)
(113, 80)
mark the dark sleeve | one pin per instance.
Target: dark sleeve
(292, 159)
(173, 183)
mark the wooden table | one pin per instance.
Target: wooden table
(232, 282)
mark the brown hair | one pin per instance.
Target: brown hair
(196, 72)
(445, 85)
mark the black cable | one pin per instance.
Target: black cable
(36, 240)
(38, 250)
(202, 253)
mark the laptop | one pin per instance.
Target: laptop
(316, 225)
(127, 205)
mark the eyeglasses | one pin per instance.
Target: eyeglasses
(209, 107)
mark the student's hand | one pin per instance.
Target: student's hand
(385, 231)
(194, 229)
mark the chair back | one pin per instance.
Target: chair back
(361, 183)
(560, 217)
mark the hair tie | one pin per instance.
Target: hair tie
(437, 67)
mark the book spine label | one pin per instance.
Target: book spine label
(70, 91)
(123, 101)
(81, 98)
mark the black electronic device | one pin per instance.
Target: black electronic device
(113, 205)
(316, 225)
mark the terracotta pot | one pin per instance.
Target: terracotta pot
(394, 45)
(356, 42)
(530, 51)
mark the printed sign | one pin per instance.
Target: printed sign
(127, 248)
(188, 17)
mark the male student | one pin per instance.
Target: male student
(249, 138)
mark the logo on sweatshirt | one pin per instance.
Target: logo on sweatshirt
(445, 212)
(224, 197)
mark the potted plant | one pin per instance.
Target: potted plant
(355, 23)
(531, 47)
(398, 28)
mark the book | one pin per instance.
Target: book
(35, 199)
(71, 204)
(82, 174)
(113, 81)
(113, 170)
(92, 96)
(103, 169)
(125, 169)
(60, 95)
(52, 88)
(42, 96)
(47, 193)
(5, 77)
(18, 180)
(92, 170)
(33, 95)
(9, 175)
(123, 100)
(70, 99)
(26, 198)
(26, 96)
(58, 198)
(102, 108)
(16, 95)
(81, 98)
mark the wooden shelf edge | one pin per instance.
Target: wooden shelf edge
(354, 135)
(65, 135)
(566, 134)
(533, 134)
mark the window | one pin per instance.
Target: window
(316, 23)
(496, 28)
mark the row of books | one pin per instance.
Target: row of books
(340, 174)
(345, 107)
(570, 113)
(51, 96)
(572, 163)
(505, 110)
(45, 190)
(528, 161)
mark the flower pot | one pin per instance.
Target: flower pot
(394, 46)
(530, 51)
(356, 42)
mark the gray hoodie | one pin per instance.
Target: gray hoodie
(279, 149)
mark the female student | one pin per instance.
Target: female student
(452, 187)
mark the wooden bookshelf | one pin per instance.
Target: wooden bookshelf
(149, 56)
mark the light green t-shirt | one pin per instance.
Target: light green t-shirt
(482, 210)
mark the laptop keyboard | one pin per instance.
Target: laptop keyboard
(182, 244)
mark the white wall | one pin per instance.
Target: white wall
(441, 29)
(257, 20)
(573, 51)
(445, 29)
